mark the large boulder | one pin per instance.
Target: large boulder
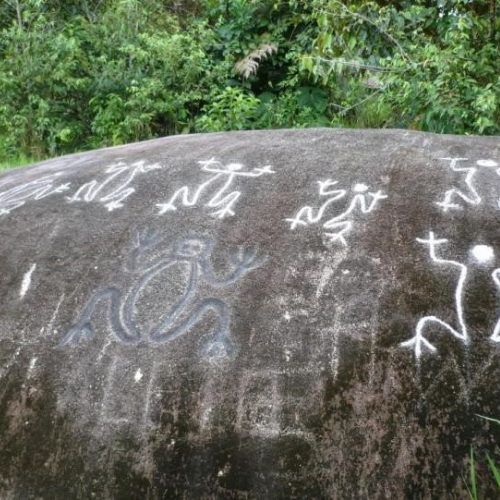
(272, 314)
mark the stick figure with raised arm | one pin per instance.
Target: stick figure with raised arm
(419, 341)
(38, 189)
(188, 254)
(469, 195)
(221, 182)
(363, 200)
(116, 187)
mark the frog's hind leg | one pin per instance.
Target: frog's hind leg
(83, 329)
(219, 345)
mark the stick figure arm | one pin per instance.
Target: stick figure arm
(376, 197)
(257, 172)
(304, 212)
(495, 337)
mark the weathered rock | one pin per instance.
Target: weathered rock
(286, 314)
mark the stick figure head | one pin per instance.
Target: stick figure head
(234, 167)
(487, 163)
(360, 188)
(192, 249)
(482, 253)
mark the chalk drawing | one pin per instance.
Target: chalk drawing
(152, 395)
(195, 253)
(259, 413)
(469, 194)
(218, 186)
(268, 408)
(211, 398)
(129, 394)
(113, 409)
(31, 367)
(419, 341)
(6, 366)
(138, 375)
(332, 337)
(26, 283)
(482, 253)
(495, 337)
(363, 202)
(52, 320)
(116, 187)
(38, 189)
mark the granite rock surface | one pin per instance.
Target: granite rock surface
(268, 314)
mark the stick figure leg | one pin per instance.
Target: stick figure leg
(115, 199)
(342, 226)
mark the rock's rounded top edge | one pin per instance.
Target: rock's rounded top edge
(112, 152)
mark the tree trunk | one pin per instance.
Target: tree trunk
(19, 14)
(493, 19)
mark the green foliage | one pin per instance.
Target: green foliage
(20, 161)
(130, 75)
(232, 109)
(434, 67)
(472, 487)
(494, 470)
(83, 74)
(472, 484)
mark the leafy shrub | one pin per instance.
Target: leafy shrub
(434, 67)
(85, 74)
(232, 109)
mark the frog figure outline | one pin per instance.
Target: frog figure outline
(193, 252)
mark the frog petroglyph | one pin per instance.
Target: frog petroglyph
(193, 254)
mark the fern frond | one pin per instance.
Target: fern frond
(249, 65)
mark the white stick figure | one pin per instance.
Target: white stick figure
(470, 195)
(35, 190)
(221, 198)
(116, 187)
(419, 340)
(306, 215)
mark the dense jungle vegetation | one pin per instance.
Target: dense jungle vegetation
(81, 74)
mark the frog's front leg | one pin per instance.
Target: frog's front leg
(146, 239)
(219, 345)
(244, 260)
(83, 329)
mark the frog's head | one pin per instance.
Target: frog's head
(191, 248)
